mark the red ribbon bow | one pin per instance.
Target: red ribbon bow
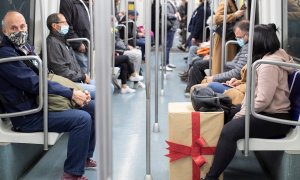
(178, 151)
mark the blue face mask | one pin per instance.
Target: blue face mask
(64, 29)
(240, 41)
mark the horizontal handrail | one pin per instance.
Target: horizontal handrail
(40, 106)
(253, 77)
(226, 53)
(88, 49)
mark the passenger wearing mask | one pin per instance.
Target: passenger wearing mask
(271, 99)
(61, 56)
(232, 68)
(19, 91)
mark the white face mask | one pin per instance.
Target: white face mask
(64, 29)
(18, 38)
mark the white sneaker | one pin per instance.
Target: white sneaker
(118, 83)
(167, 68)
(136, 78)
(127, 90)
(171, 66)
(139, 85)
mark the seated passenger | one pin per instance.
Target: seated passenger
(61, 56)
(271, 99)
(232, 69)
(19, 87)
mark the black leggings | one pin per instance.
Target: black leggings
(196, 73)
(235, 130)
(126, 67)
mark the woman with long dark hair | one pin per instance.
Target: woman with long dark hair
(271, 99)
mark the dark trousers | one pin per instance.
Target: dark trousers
(170, 39)
(79, 124)
(235, 130)
(196, 73)
(141, 42)
(126, 67)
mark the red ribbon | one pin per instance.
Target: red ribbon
(178, 151)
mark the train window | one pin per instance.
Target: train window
(26, 7)
(293, 28)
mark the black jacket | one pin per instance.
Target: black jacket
(77, 18)
(61, 58)
(196, 23)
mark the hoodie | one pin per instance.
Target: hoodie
(271, 86)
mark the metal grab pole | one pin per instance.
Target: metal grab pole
(211, 36)
(156, 128)
(226, 48)
(103, 78)
(204, 22)
(113, 40)
(147, 10)
(224, 34)
(91, 47)
(163, 46)
(126, 23)
(249, 71)
(134, 25)
(45, 75)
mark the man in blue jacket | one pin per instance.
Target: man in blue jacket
(19, 89)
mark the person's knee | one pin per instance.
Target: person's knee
(83, 119)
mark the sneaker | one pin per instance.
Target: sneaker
(67, 176)
(139, 85)
(167, 68)
(90, 163)
(127, 90)
(187, 95)
(136, 78)
(181, 47)
(171, 66)
(118, 83)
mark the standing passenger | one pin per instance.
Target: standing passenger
(19, 90)
(78, 17)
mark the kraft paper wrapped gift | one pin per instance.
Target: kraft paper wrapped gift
(193, 137)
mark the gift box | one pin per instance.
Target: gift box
(193, 137)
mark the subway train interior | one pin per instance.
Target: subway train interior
(144, 120)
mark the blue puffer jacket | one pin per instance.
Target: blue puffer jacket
(19, 84)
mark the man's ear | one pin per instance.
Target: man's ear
(53, 26)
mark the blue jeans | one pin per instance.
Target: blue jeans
(218, 87)
(141, 42)
(89, 87)
(80, 125)
(82, 60)
(192, 54)
(170, 39)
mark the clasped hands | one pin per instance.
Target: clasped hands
(81, 98)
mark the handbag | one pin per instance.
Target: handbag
(229, 30)
(60, 103)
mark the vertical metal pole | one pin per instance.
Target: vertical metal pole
(166, 38)
(211, 35)
(126, 14)
(249, 71)
(103, 119)
(156, 125)
(114, 34)
(163, 45)
(45, 74)
(224, 35)
(147, 10)
(204, 22)
(91, 57)
(134, 24)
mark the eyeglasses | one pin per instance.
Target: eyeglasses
(240, 37)
(64, 22)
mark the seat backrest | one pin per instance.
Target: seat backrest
(294, 81)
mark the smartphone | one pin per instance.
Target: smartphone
(227, 85)
(243, 7)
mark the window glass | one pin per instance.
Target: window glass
(294, 28)
(26, 7)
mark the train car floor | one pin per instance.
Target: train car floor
(129, 134)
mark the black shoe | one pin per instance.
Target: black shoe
(185, 58)
(181, 47)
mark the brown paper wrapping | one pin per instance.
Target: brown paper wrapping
(180, 131)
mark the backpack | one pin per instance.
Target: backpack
(294, 81)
